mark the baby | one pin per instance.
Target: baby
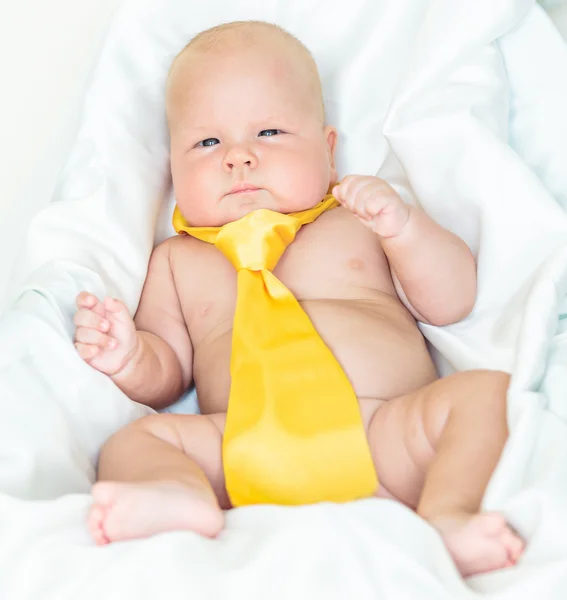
(247, 126)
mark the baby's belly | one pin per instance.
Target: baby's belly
(376, 342)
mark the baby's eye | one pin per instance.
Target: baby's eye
(269, 132)
(209, 142)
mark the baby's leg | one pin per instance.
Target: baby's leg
(160, 473)
(436, 449)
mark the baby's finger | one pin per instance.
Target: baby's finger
(336, 192)
(350, 188)
(85, 335)
(342, 189)
(369, 201)
(86, 351)
(84, 299)
(117, 308)
(85, 317)
(90, 301)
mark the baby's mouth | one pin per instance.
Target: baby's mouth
(243, 188)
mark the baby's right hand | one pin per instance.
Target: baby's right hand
(105, 337)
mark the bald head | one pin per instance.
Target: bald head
(239, 34)
(245, 38)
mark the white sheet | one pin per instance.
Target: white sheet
(443, 84)
(55, 44)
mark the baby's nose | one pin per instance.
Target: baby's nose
(239, 156)
(236, 162)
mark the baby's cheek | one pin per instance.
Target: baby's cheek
(197, 197)
(195, 205)
(321, 178)
(316, 175)
(200, 213)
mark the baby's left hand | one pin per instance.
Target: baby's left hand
(374, 202)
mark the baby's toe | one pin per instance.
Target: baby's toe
(493, 524)
(96, 525)
(515, 546)
(104, 493)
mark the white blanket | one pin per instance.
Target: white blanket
(449, 84)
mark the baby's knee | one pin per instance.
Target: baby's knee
(480, 383)
(465, 391)
(159, 424)
(155, 425)
(489, 383)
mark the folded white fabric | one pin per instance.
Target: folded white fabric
(538, 131)
(427, 80)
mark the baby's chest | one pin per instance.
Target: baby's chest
(320, 264)
(208, 301)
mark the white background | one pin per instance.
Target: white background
(47, 48)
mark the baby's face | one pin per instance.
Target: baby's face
(247, 132)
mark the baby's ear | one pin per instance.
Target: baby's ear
(331, 139)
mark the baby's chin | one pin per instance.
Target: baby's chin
(235, 206)
(239, 205)
(245, 207)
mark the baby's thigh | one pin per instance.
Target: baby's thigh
(200, 438)
(400, 447)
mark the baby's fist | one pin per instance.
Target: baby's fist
(105, 335)
(374, 202)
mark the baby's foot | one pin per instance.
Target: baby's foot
(123, 511)
(479, 542)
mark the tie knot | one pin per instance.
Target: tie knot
(258, 240)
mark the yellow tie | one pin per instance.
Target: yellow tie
(294, 433)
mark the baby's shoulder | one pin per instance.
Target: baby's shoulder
(189, 257)
(180, 250)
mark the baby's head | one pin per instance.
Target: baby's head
(245, 111)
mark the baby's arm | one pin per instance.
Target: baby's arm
(433, 269)
(151, 360)
(162, 371)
